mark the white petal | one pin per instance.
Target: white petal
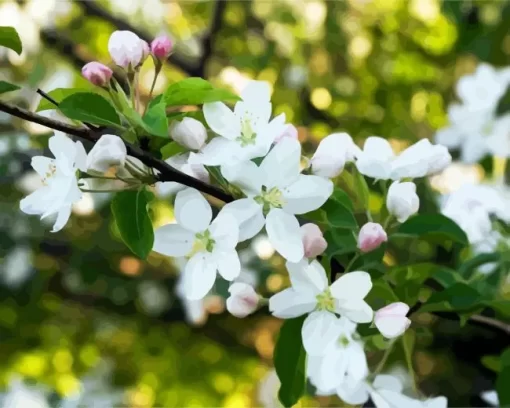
(199, 276)
(168, 188)
(284, 234)
(490, 397)
(37, 202)
(392, 326)
(222, 120)
(228, 264)
(249, 216)
(256, 93)
(450, 137)
(352, 285)
(217, 152)
(378, 147)
(327, 372)
(41, 165)
(173, 240)
(320, 331)
(81, 157)
(388, 382)
(392, 399)
(192, 210)
(281, 167)
(62, 218)
(377, 169)
(442, 402)
(246, 175)
(290, 303)
(307, 277)
(358, 311)
(62, 147)
(357, 366)
(353, 392)
(225, 231)
(267, 134)
(306, 194)
(474, 149)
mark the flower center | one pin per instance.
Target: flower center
(50, 172)
(488, 128)
(272, 198)
(203, 243)
(248, 136)
(344, 341)
(325, 301)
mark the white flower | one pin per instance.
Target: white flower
(482, 88)
(127, 49)
(402, 200)
(332, 153)
(268, 391)
(189, 132)
(345, 357)
(275, 192)
(290, 132)
(209, 246)
(20, 395)
(17, 266)
(246, 132)
(377, 160)
(391, 320)
(243, 300)
(109, 151)
(60, 186)
(184, 163)
(311, 295)
(490, 397)
(153, 298)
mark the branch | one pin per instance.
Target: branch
(167, 172)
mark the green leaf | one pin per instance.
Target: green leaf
(381, 294)
(289, 361)
(458, 297)
(408, 343)
(492, 362)
(129, 209)
(90, 107)
(155, 121)
(198, 115)
(503, 381)
(338, 210)
(7, 87)
(467, 269)
(171, 149)
(9, 38)
(435, 225)
(195, 91)
(58, 94)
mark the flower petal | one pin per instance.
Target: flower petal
(284, 234)
(173, 240)
(326, 372)
(217, 152)
(388, 382)
(320, 331)
(306, 194)
(228, 263)
(357, 366)
(358, 311)
(353, 392)
(245, 175)
(249, 216)
(192, 210)
(222, 120)
(281, 167)
(225, 231)
(290, 303)
(41, 165)
(81, 157)
(392, 326)
(62, 147)
(306, 276)
(199, 276)
(36, 202)
(352, 286)
(62, 218)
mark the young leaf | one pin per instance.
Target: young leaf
(9, 38)
(338, 211)
(424, 225)
(289, 361)
(171, 149)
(58, 94)
(195, 91)
(90, 107)
(458, 297)
(7, 87)
(155, 120)
(503, 381)
(129, 209)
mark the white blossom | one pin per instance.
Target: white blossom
(490, 397)
(109, 151)
(332, 153)
(127, 49)
(402, 200)
(391, 320)
(189, 133)
(243, 300)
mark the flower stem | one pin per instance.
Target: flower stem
(384, 359)
(409, 363)
(156, 74)
(349, 265)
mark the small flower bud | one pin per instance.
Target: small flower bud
(332, 154)
(313, 241)
(371, 236)
(243, 300)
(402, 200)
(189, 132)
(109, 151)
(161, 47)
(391, 320)
(127, 49)
(97, 73)
(439, 160)
(290, 132)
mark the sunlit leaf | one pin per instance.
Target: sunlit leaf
(9, 38)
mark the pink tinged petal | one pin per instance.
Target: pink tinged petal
(388, 382)
(320, 331)
(391, 326)
(199, 276)
(281, 167)
(228, 263)
(290, 303)
(306, 194)
(246, 175)
(353, 392)
(284, 234)
(225, 231)
(217, 152)
(248, 215)
(173, 240)
(192, 210)
(306, 276)
(222, 120)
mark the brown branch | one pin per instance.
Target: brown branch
(167, 172)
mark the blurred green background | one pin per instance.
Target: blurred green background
(77, 310)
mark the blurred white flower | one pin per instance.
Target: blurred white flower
(268, 391)
(17, 267)
(20, 395)
(154, 299)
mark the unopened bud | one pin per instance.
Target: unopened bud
(313, 242)
(391, 320)
(161, 47)
(97, 73)
(371, 236)
(189, 132)
(243, 300)
(109, 151)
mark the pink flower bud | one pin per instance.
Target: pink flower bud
(161, 47)
(313, 241)
(290, 132)
(391, 320)
(243, 300)
(371, 236)
(97, 73)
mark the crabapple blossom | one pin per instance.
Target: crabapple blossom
(243, 299)
(332, 153)
(161, 47)
(313, 241)
(244, 133)
(310, 294)
(276, 190)
(210, 247)
(109, 151)
(391, 320)
(97, 73)
(371, 236)
(189, 133)
(60, 185)
(290, 132)
(402, 200)
(127, 49)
